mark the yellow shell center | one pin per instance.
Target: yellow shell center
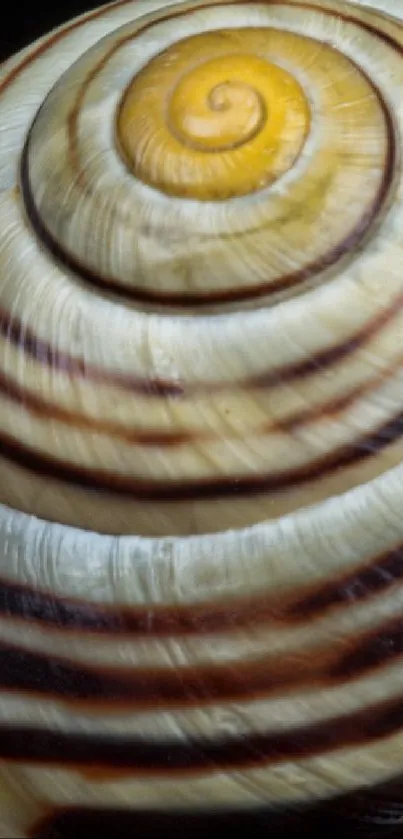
(216, 117)
(212, 128)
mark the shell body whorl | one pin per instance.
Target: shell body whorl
(201, 370)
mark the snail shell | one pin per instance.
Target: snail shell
(201, 310)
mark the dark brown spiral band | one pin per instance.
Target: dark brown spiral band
(208, 298)
(380, 574)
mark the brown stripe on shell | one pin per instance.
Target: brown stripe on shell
(206, 756)
(39, 407)
(19, 601)
(149, 295)
(345, 456)
(106, 688)
(378, 724)
(386, 37)
(43, 352)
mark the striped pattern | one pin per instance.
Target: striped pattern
(205, 669)
(220, 423)
(331, 696)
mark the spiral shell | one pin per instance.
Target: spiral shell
(201, 304)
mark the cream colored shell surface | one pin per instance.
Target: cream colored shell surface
(201, 531)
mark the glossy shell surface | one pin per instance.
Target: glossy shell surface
(201, 417)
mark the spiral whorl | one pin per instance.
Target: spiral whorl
(201, 304)
(227, 126)
(244, 174)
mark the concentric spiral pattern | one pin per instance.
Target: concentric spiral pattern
(201, 370)
(196, 136)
